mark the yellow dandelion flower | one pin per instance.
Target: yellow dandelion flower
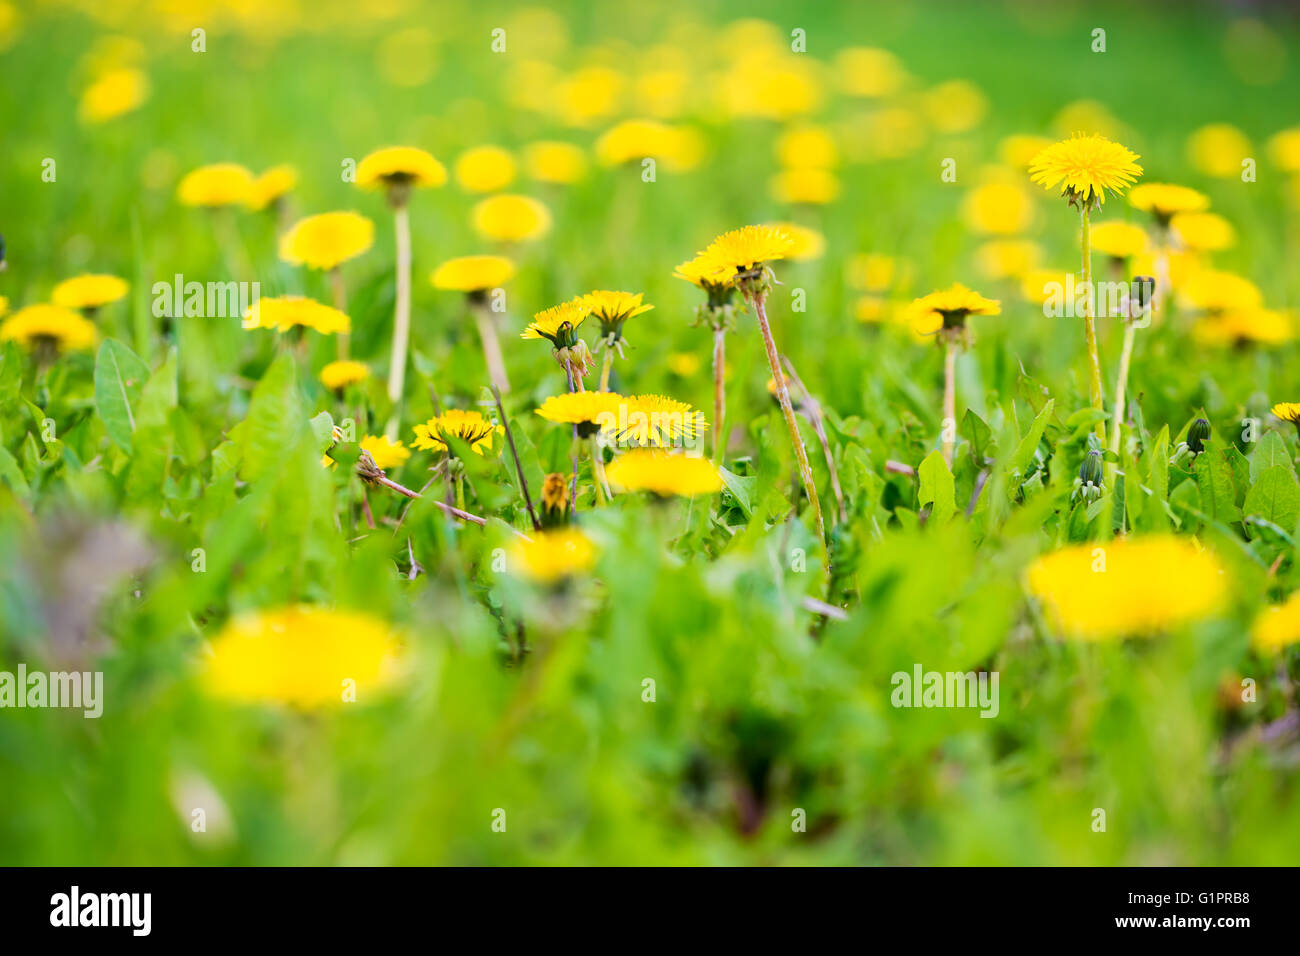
(588, 95)
(663, 474)
(484, 169)
(554, 556)
(276, 182)
(1213, 290)
(468, 426)
(656, 420)
(288, 311)
(807, 147)
(4, 304)
(703, 273)
(343, 373)
(612, 309)
(1244, 326)
(808, 186)
(998, 208)
(36, 326)
(873, 310)
(747, 248)
(509, 218)
(1287, 411)
(950, 307)
(386, 454)
(632, 141)
(1007, 258)
(327, 240)
(400, 166)
(1086, 167)
(1164, 200)
(868, 72)
(590, 411)
(302, 656)
(1129, 587)
(1218, 150)
(1120, 240)
(1203, 231)
(113, 94)
(89, 291)
(558, 323)
(1284, 149)
(219, 184)
(1039, 285)
(549, 161)
(808, 244)
(1277, 627)
(473, 273)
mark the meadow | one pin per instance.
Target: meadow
(360, 377)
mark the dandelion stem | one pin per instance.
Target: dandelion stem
(813, 412)
(606, 367)
(573, 487)
(401, 317)
(783, 396)
(519, 468)
(719, 393)
(1090, 322)
(603, 493)
(487, 333)
(949, 423)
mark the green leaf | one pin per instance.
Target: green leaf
(1214, 481)
(274, 423)
(741, 488)
(979, 435)
(1024, 452)
(1275, 497)
(12, 474)
(937, 488)
(1272, 450)
(120, 376)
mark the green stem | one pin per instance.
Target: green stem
(719, 393)
(606, 367)
(1090, 323)
(401, 317)
(949, 423)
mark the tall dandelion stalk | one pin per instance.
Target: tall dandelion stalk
(718, 314)
(1085, 167)
(481, 279)
(1140, 305)
(398, 170)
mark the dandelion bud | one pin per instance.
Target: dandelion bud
(1197, 434)
(1091, 470)
(555, 500)
(1141, 290)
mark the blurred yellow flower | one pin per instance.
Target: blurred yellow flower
(1019, 150)
(956, 106)
(1164, 200)
(548, 161)
(114, 93)
(1203, 231)
(632, 141)
(1120, 240)
(1007, 258)
(1090, 117)
(289, 311)
(807, 146)
(1218, 150)
(588, 95)
(89, 291)
(554, 556)
(1213, 290)
(998, 208)
(473, 273)
(276, 182)
(590, 411)
(484, 169)
(868, 72)
(219, 184)
(872, 309)
(684, 364)
(326, 240)
(400, 166)
(1039, 285)
(949, 308)
(808, 186)
(37, 325)
(302, 656)
(663, 473)
(1284, 149)
(384, 453)
(1277, 627)
(873, 272)
(343, 373)
(510, 218)
(1244, 326)
(1129, 587)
